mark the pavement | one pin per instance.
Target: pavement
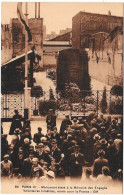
(35, 123)
(40, 122)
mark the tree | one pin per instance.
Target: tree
(103, 104)
(51, 95)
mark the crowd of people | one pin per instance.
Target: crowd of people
(94, 142)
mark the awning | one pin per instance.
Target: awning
(20, 59)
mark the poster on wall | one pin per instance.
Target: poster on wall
(61, 97)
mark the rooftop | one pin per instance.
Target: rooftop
(56, 43)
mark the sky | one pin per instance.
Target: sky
(58, 15)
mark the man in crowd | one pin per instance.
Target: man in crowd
(63, 152)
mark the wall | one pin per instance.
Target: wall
(49, 59)
(108, 71)
(85, 23)
(64, 37)
(18, 36)
(76, 31)
(6, 43)
(50, 52)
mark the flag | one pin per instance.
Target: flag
(23, 20)
(114, 32)
(97, 58)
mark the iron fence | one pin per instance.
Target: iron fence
(77, 103)
(10, 102)
(63, 103)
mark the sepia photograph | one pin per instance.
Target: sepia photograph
(61, 97)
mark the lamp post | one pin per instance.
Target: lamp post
(26, 110)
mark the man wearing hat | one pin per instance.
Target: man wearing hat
(27, 124)
(75, 126)
(76, 163)
(16, 136)
(6, 166)
(117, 142)
(4, 145)
(16, 122)
(103, 133)
(97, 145)
(51, 119)
(104, 144)
(26, 147)
(38, 135)
(36, 172)
(46, 156)
(107, 123)
(27, 166)
(25, 134)
(56, 153)
(105, 176)
(80, 120)
(55, 134)
(64, 125)
(35, 165)
(50, 175)
(99, 163)
(39, 151)
(49, 135)
(19, 162)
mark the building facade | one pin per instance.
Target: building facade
(84, 24)
(18, 36)
(64, 37)
(51, 50)
(106, 58)
(6, 43)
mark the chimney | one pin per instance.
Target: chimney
(109, 13)
(38, 9)
(35, 10)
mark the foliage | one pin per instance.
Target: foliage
(116, 105)
(37, 92)
(103, 104)
(117, 90)
(44, 107)
(51, 95)
(86, 83)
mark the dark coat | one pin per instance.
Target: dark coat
(51, 120)
(37, 137)
(16, 123)
(44, 156)
(26, 151)
(4, 147)
(64, 126)
(25, 134)
(19, 164)
(76, 163)
(98, 164)
(56, 154)
(27, 166)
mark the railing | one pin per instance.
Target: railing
(79, 103)
(10, 102)
(72, 103)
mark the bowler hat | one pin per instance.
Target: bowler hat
(36, 169)
(17, 130)
(51, 174)
(6, 156)
(103, 141)
(40, 145)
